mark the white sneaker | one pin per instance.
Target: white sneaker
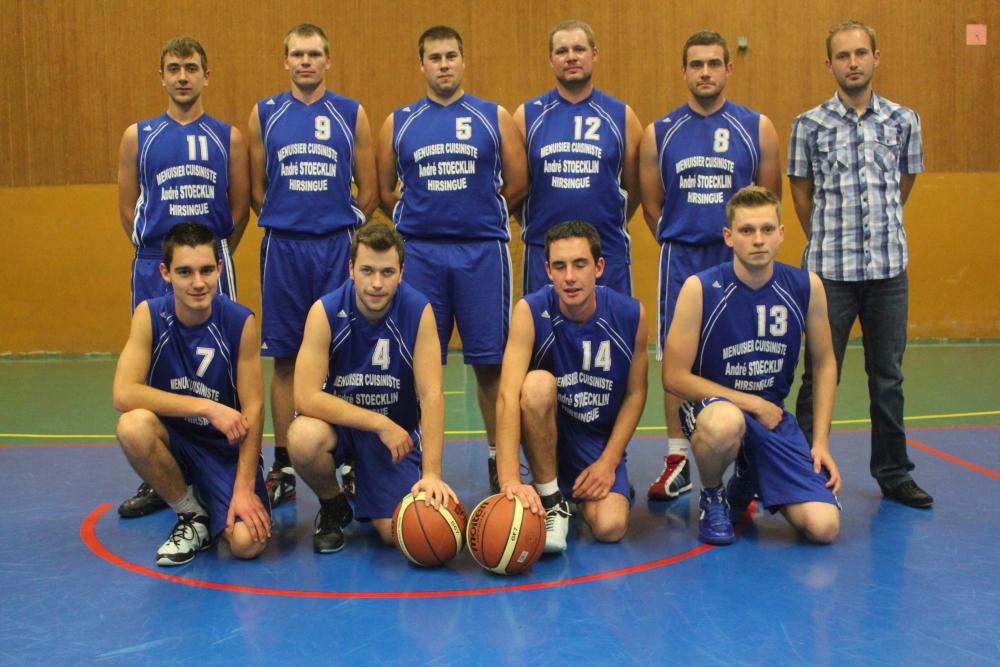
(189, 536)
(556, 527)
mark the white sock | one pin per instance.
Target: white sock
(678, 446)
(547, 488)
(493, 451)
(188, 504)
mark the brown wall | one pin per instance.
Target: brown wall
(77, 72)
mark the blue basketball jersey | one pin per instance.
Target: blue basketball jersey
(704, 160)
(183, 175)
(575, 156)
(590, 361)
(448, 163)
(371, 365)
(310, 164)
(197, 361)
(750, 339)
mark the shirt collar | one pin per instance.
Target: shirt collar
(837, 106)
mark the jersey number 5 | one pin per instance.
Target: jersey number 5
(463, 127)
(603, 358)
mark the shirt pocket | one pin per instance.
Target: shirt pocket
(832, 156)
(887, 144)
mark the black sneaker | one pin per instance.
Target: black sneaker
(189, 536)
(334, 515)
(491, 467)
(909, 494)
(145, 501)
(280, 486)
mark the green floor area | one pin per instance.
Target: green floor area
(52, 399)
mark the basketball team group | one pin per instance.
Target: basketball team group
(357, 314)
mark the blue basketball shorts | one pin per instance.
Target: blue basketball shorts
(295, 271)
(379, 483)
(209, 464)
(779, 461)
(148, 283)
(575, 450)
(468, 284)
(617, 271)
(678, 262)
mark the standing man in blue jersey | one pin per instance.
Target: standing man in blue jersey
(691, 161)
(572, 390)
(852, 162)
(582, 148)
(460, 165)
(190, 388)
(731, 353)
(180, 165)
(313, 182)
(368, 388)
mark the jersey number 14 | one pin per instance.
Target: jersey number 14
(603, 358)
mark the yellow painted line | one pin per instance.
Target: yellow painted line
(454, 393)
(77, 436)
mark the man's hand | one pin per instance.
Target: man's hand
(767, 413)
(822, 458)
(526, 494)
(436, 491)
(246, 506)
(594, 483)
(230, 422)
(396, 440)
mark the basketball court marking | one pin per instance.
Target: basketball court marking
(89, 537)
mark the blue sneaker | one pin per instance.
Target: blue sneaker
(714, 526)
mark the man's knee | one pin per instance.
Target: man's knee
(538, 392)
(308, 438)
(241, 543)
(384, 529)
(607, 518)
(818, 522)
(137, 430)
(720, 426)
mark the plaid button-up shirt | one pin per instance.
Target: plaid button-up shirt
(855, 164)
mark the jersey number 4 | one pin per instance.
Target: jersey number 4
(380, 357)
(603, 358)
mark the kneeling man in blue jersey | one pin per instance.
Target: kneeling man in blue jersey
(731, 354)
(572, 389)
(190, 386)
(368, 389)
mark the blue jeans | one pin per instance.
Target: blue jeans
(882, 307)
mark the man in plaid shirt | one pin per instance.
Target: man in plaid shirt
(852, 162)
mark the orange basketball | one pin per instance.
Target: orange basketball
(504, 536)
(428, 536)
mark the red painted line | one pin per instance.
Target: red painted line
(59, 444)
(953, 459)
(89, 537)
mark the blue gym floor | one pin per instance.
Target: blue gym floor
(900, 586)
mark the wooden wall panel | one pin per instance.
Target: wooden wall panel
(80, 71)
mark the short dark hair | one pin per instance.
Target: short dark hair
(752, 196)
(184, 47)
(573, 24)
(848, 25)
(190, 235)
(439, 32)
(308, 30)
(377, 236)
(706, 38)
(574, 229)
